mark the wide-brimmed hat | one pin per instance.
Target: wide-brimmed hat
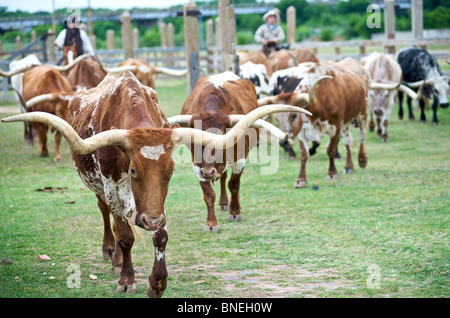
(269, 13)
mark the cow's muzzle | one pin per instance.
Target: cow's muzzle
(378, 112)
(445, 105)
(209, 173)
(150, 223)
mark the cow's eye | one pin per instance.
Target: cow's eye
(133, 172)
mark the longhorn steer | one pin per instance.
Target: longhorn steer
(386, 78)
(338, 102)
(280, 60)
(422, 73)
(45, 89)
(213, 102)
(121, 146)
(257, 74)
(144, 72)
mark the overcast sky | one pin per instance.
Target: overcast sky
(46, 5)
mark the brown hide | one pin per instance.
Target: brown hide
(144, 72)
(256, 57)
(125, 176)
(86, 74)
(339, 101)
(283, 59)
(212, 105)
(47, 80)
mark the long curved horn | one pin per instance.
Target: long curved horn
(118, 69)
(410, 92)
(197, 136)
(182, 120)
(74, 62)
(378, 85)
(168, 71)
(266, 100)
(185, 120)
(310, 98)
(414, 84)
(234, 119)
(17, 71)
(40, 98)
(78, 145)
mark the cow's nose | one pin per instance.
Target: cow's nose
(284, 143)
(152, 223)
(445, 105)
(208, 173)
(378, 112)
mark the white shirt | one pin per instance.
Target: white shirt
(87, 46)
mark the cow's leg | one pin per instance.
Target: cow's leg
(235, 206)
(223, 202)
(210, 197)
(57, 156)
(384, 134)
(331, 151)
(400, 105)
(362, 156)
(435, 107)
(157, 281)
(301, 181)
(108, 236)
(371, 121)
(423, 118)
(124, 242)
(378, 126)
(348, 142)
(410, 111)
(313, 148)
(41, 132)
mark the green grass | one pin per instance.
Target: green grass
(290, 243)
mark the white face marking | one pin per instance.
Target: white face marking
(144, 69)
(152, 152)
(219, 79)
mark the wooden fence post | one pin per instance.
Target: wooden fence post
(417, 20)
(135, 38)
(18, 43)
(127, 46)
(210, 44)
(51, 56)
(170, 42)
(228, 37)
(192, 44)
(110, 39)
(389, 24)
(291, 16)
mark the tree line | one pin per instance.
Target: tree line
(346, 20)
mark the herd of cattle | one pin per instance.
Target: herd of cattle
(121, 141)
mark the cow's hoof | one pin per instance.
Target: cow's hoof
(43, 154)
(117, 269)
(108, 255)
(435, 123)
(154, 293)
(300, 184)
(348, 170)
(292, 158)
(333, 177)
(384, 139)
(223, 207)
(362, 163)
(211, 229)
(126, 288)
(235, 217)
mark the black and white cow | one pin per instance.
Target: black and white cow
(421, 71)
(257, 74)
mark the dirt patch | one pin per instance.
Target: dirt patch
(278, 281)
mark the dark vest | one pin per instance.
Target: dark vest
(74, 38)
